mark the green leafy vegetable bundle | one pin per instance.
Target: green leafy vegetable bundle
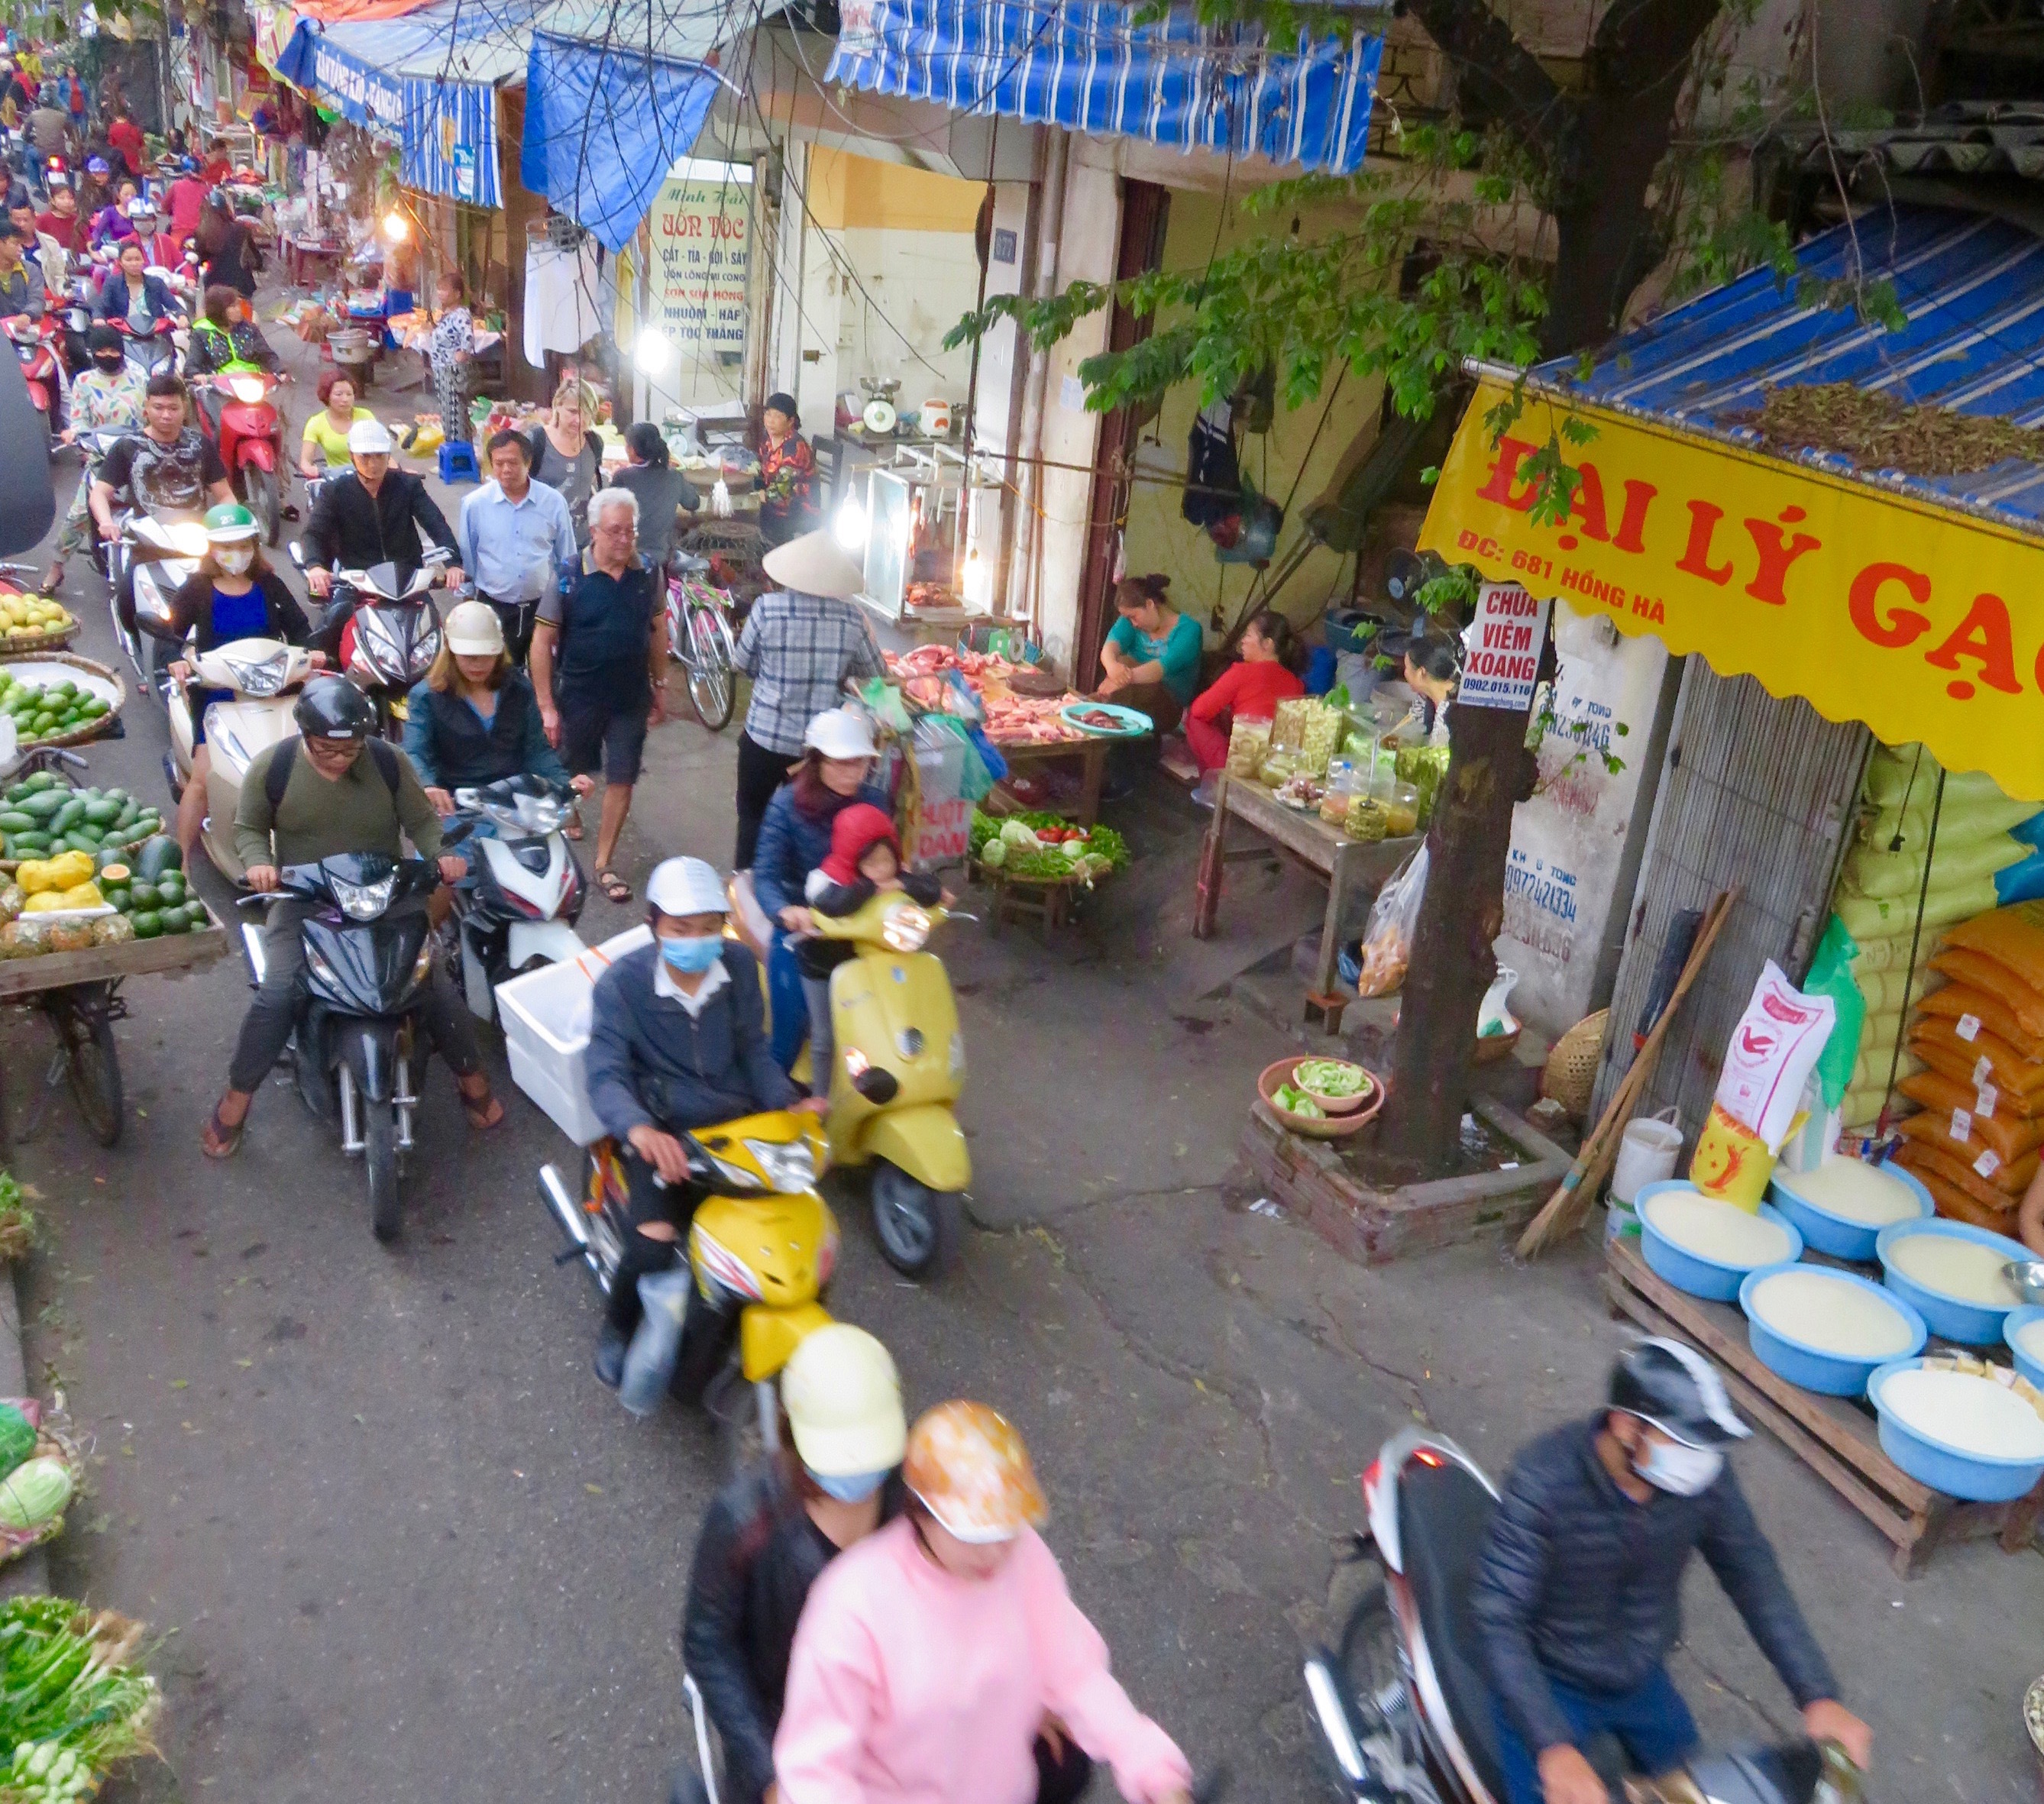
(70, 1704)
(1033, 846)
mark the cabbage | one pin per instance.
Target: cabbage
(994, 854)
(1075, 850)
(33, 1493)
(1019, 833)
(1330, 1077)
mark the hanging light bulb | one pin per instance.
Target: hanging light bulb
(851, 524)
(396, 227)
(652, 352)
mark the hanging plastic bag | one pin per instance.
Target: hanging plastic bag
(881, 699)
(1831, 974)
(649, 1361)
(1394, 919)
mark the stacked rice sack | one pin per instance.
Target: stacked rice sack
(1979, 1037)
(1978, 863)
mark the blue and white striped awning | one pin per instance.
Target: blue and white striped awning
(1085, 65)
(1972, 287)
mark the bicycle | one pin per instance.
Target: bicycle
(699, 634)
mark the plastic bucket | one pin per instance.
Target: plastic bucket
(1732, 1161)
(1646, 1154)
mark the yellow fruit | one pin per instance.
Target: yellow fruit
(84, 896)
(44, 902)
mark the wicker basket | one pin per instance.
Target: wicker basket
(1571, 1066)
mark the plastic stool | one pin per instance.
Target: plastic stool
(458, 459)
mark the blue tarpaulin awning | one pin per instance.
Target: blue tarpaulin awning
(604, 124)
(1090, 68)
(1972, 287)
(427, 79)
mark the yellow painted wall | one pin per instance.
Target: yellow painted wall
(1159, 538)
(847, 191)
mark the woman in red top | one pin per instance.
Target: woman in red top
(1249, 690)
(787, 473)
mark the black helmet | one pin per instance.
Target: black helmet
(332, 708)
(1675, 1388)
(102, 339)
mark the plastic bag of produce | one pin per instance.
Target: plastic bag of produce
(1773, 1049)
(1288, 725)
(1394, 918)
(1961, 1005)
(1248, 745)
(2013, 936)
(1831, 975)
(1983, 972)
(649, 1361)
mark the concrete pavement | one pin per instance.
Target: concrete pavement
(400, 1544)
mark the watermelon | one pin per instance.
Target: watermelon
(158, 854)
(17, 1438)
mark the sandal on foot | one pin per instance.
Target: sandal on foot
(614, 887)
(484, 1112)
(221, 1139)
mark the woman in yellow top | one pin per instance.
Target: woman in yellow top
(325, 446)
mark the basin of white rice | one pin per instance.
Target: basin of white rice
(1716, 1230)
(1978, 1416)
(1964, 1270)
(1856, 1191)
(1829, 1312)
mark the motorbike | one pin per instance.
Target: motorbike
(391, 632)
(762, 1248)
(1402, 1702)
(262, 675)
(528, 887)
(358, 1050)
(35, 342)
(249, 433)
(157, 558)
(899, 1066)
(74, 321)
(153, 351)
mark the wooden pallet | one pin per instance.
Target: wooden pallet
(1836, 1438)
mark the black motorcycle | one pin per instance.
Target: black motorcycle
(1402, 1702)
(359, 1051)
(519, 907)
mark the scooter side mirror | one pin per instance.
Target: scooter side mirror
(298, 554)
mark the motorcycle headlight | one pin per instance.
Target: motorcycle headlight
(187, 537)
(363, 901)
(789, 1165)
(425, 651)
(906, 930)
(248, 389)
(263, 676)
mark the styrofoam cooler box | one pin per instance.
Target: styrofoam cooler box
(545, 1015)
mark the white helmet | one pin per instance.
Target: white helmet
(474, 631)
(843, 1399)
(369, 438)
(838, 732)
(687, 886)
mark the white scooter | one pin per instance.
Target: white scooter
(528, 889)
(262, 676)
(158, 556)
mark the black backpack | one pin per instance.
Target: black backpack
(278, 778)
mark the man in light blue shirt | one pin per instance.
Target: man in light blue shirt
(516, 537)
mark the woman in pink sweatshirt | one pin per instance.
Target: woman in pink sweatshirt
(942, 1660)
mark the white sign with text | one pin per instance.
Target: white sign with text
(1504, 641)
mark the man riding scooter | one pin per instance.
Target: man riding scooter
(1576, 1596)
(677, 1042)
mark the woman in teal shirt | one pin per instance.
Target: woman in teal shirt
(1151, 658)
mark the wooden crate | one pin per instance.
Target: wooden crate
(1835, 1437)
(171, 954)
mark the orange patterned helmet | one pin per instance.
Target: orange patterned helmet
(968, 1465)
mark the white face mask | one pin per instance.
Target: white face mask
(234, 559)
(1681, 1470)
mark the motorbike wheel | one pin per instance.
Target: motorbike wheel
(266, 503)
(379, 1155)
(712, 692)
(919, 1227)
(1369, 1669)
(92, 1061)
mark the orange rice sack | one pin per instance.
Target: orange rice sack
(1977, 971)
(1937, 1043)
(2013, 936)
(1952, 1203)
(2010, 1134)
(1956, 1001)
(1933, 1130)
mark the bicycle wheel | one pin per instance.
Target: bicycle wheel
(712, 690)
(92, 1061)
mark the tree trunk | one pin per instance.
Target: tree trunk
(1489, 774)
(1605, 149)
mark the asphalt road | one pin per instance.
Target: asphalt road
(399, 1543)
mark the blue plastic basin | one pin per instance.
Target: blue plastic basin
(1973, 1324)
(1813, 1367)
(1711, 1278)
(1840, 1235)
(2029, 1364)
(1945, 1467)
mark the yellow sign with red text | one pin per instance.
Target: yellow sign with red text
(1921, 622)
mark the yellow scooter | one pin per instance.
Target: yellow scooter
(762, 1248)
(898, 1068)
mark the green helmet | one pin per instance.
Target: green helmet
(229, 523)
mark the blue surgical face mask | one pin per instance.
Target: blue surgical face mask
(694, 954)
(1680, 1470)
(853, 1487)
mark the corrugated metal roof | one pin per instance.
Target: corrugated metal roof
(1972, 287)
(1970, 138)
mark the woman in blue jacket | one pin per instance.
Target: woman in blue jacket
(836, 771)
(132, 295)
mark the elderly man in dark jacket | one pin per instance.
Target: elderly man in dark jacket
(676, 1041)
(1577, 1593)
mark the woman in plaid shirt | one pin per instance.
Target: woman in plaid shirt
(799, 644)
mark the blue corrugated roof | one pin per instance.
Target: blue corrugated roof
(1973, 288)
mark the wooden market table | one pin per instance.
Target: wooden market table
(296, 252)
(1836, 1438)
(1347, 864)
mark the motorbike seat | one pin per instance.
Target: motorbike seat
(1443, 1513)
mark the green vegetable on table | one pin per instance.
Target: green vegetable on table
(68, 1698)
(1293, 1101)
(1330, 1077)
(1008, 843)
